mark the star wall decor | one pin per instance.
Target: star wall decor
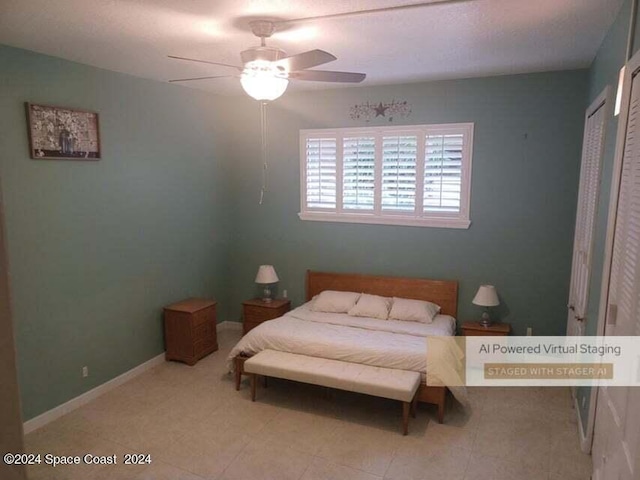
(368, 111)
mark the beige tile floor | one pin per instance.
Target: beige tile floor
(195, 425)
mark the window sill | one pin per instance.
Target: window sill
(388, 220)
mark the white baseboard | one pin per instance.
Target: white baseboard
(49, 416)
(227, 325)
(57, 412)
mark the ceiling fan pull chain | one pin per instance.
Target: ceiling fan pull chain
(263, 134)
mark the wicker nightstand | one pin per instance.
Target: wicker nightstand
(255, 311)
(474, 329)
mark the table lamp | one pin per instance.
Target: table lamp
(487, 296)
(266, 276)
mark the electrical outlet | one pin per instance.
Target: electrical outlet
(284, 294)
(85, 372)
(529, 331)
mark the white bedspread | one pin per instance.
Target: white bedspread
(370, 341)
(382, 343)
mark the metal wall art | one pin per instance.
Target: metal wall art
(368, 111)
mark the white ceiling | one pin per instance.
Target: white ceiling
(452, 40)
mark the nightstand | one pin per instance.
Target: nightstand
(190, 330)
(474, 329)
(255, 311)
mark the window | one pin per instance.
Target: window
(415, 175)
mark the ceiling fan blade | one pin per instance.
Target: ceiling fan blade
(303, 60)
(205, 61)
(328, 76)
(198, 78)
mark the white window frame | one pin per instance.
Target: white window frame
(418, 217)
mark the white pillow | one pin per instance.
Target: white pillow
(335, 302)
(371, 306)
(413, 310)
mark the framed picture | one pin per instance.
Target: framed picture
(62, 133)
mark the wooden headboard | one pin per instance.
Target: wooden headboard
(440, 292)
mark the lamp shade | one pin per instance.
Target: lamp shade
(487, 296)
(266, 274)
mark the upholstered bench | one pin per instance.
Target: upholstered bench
(389, 383)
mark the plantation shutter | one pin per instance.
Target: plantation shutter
(399, 154)
(418, 175)
(321, 160)
(443, 172)
(586, 211)
(623, 316)
(358, 173)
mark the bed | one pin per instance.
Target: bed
(384, 343)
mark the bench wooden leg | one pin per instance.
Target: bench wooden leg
(441, 405)
(414, 406)
(238, 378)
(252, 378)
(405, 417)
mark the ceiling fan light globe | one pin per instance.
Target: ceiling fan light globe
(262, 81)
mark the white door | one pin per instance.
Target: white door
(591, 165)
(616, 444)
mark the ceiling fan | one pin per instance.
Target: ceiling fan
(266, 70)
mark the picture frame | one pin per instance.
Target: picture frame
(62, 133)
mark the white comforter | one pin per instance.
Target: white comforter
(382, 343)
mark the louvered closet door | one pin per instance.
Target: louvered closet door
(617, 442)
(585, 217)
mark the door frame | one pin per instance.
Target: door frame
(632, 66)
(12, 438)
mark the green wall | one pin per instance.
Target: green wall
(528, 134)
(604, 72)
(97, 248)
